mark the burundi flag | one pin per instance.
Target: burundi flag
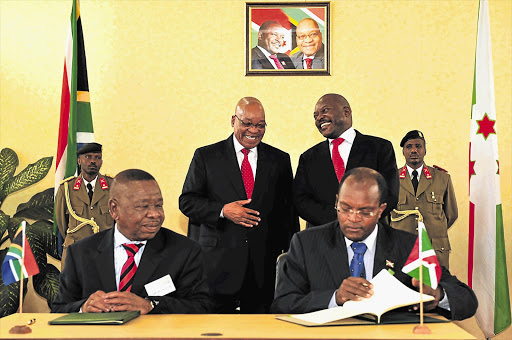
(75, 128)
(19, 257)
(487, 268)
(423, 251)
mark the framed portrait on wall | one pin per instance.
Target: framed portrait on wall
(287, 39)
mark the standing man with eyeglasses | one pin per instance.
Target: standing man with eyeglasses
(322, 166)
(267, 54)
(81, 203)
(309, 41)
(237, 196)
(334, 263)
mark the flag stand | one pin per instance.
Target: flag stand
(421, 328)
(21, 329)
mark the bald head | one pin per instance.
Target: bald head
(333, 115)
(367, 176)
(248, 122)
(125, 177)
(309, 37)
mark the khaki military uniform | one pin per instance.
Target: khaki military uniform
(435, 199)
(97, 209)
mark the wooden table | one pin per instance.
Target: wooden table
(179, 326)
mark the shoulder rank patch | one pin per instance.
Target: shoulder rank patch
(67, 179)
(427, 172)
(103, 183)
(78, 183)
(403, 172)
(439, 168)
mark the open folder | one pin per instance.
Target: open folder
(113, 318)
(389, 294)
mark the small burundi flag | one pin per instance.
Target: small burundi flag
(423, 251)
(19, 257)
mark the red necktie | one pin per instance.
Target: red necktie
(278, 63)
(129, 267)
(309, 61)
(247, 174)
(337, 161)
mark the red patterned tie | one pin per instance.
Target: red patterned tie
(278, 63)
(129, 267)
(309, 61)
(337, 161)
(247, 174)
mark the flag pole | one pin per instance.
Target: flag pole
(21, 329)
(421, 328)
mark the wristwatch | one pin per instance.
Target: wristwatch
(153, 302)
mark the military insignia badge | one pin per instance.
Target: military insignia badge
(78, 183)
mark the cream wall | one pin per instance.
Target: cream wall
(164, 77)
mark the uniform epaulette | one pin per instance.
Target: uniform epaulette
(67, 179)
(439, 168)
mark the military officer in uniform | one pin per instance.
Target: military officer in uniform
(428, 190)
(81, 204)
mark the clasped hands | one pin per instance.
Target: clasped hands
(237, 213)
(356, 288)
(101, 302)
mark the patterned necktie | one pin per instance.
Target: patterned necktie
(278, 63)
(129, 267)
(337, 161)
(247, 174)
(309, 61)
(89, 191)
(415, 180)
(357, 263)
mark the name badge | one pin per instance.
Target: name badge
(161, 286)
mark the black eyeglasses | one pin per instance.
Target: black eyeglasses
(260, 126)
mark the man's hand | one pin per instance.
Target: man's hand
(236, 212)
(127, 301)
(96, 303)
(353, 288)
(437, 293)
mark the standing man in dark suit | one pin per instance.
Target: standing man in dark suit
(81, 203)
(322, 166)
(428, 190)
(267, 55)
(309, 41)
(137, 265)
(328, 265)
(237, 196)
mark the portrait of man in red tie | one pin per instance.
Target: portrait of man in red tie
(309, 41)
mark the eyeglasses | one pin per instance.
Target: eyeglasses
(348, 211)
(311, 35)
(260, 126)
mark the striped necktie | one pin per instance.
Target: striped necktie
(129, 267)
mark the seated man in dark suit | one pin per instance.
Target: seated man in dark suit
(267, 55)
(316, 274)
(137, 265)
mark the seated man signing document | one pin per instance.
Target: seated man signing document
(321, 270)
(137, 265)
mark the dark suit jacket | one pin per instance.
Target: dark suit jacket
(318, 60)
(90, 267)
(259, 61)
(214, 179)
(316, 184)
(317, 264)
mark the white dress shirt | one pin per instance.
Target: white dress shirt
(344, 148)
(120, 255)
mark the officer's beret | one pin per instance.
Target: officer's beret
(88, 148)
(414, 134)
